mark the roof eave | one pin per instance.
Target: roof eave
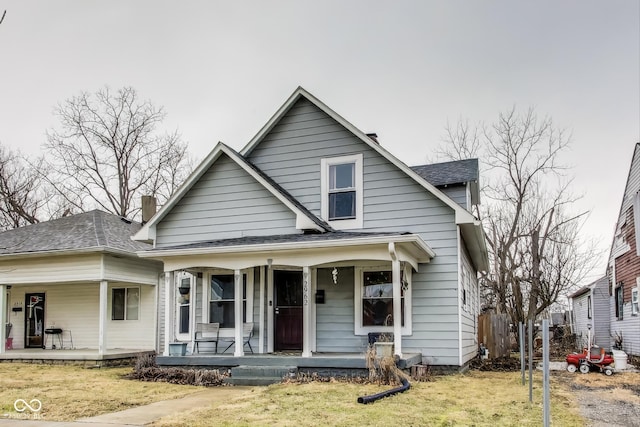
(63, 252)
(416, 240)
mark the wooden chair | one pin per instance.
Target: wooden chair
(247, 334)
(206, 332)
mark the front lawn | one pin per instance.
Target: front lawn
(475, 398)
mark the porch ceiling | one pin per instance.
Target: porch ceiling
(293, 250)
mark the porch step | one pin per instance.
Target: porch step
(260, 375)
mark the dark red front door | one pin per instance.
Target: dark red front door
(288, 309)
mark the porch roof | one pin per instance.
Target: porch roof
(314, 248)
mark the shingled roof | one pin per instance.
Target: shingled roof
(448, 173)
(89, 230)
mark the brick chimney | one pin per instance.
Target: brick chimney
(148, 208)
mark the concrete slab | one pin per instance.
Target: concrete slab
(147, 414)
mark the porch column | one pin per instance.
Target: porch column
(306, 312)
(102, 320)
(397, 302)
(3, 317)
(239, 345)
(261, 328)
(169, 309)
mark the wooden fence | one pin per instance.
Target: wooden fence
(493, 332)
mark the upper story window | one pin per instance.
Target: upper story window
(341, 188)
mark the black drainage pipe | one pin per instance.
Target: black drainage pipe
(372, 398)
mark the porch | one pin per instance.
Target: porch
(265, 369)
(86, 357)
(316, 361)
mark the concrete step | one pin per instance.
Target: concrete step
(260, 375)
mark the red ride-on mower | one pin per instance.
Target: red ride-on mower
(590, 358)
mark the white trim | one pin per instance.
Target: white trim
(325, 163)
(458, 305)
(311, 244)
(186, 336)
(102, 316)
(314, 324)
(148, 231)
(270, 297)
(261, 315)
(206, 295)
(359, 329)
(462, 215)
(306, 312)
(169, 314)
(238, 347)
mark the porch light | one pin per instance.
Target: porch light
(185, 286)
(334, 274)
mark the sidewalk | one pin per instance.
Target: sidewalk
(142, 415)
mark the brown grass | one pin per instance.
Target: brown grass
(71, 392)
(477, 398)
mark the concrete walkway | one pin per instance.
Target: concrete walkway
(142, 415)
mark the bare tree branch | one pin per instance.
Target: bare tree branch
(108, 152)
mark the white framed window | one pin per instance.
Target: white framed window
(634, 302)
(185, 294)
(373, 300)
(619, 301)
(464, 291)
(220, 298)
(125, 303)
(341, 190)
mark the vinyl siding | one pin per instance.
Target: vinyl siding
(51, 269)
(624, 263)
(335, 318)
(458, 193)
(225, 203)
(580, 312)
(132, 270)
(469, 311)
(75, 307)
(291, 155)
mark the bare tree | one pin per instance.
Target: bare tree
(535, 249)
(22, 197)
(108, 152)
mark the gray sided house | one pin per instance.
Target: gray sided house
(318, 238)
(591, 314)
(77, 284)
(624, 264)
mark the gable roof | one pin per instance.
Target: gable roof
(89, 231)
(304, 218)
(462, 215)
(448, 173)
(583, 290)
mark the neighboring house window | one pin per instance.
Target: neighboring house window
(342, 193)
(634, 302)
(619, 302)
(374, 301)
(221, 300)
(588, 306)
(125, 303)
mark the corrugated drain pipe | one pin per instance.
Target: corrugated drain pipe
(372, 398)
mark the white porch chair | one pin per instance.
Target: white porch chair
(206, 332)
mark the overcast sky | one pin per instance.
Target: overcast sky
(398, 68)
